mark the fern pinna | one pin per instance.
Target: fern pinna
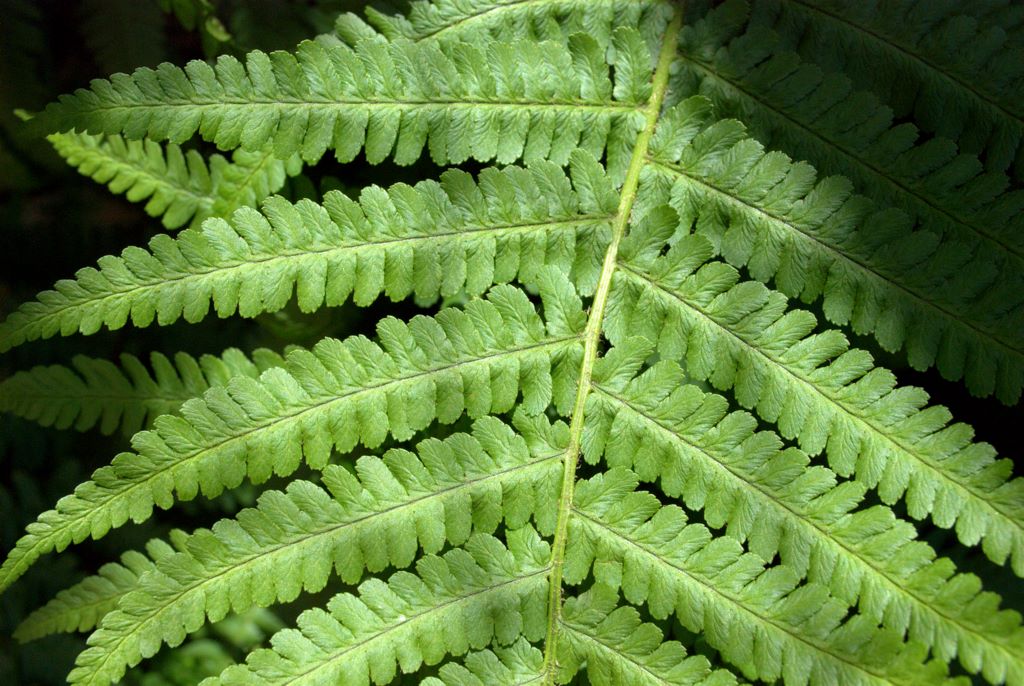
(612, 436)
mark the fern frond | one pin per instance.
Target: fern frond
(126, 397)
(246, 180)
(501, 101)
(617, 649)
(668, 431)
(81, 607)
(794, 106)
(760, 620)
(455, 603)
(377, 518)
(519, 664)
(433, 20)
(909, 289)
(432, 239)
(818, 390)
(956, 76)
(475, 360)
(179, 185)
(579, 310)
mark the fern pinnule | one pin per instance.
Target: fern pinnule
(762, 620)
(501, 102)
(434, 239)
(456, 602)
(816, 240)
(959, 77)
(82, 606)
(127, 397)
(377, 518)
(181, 187)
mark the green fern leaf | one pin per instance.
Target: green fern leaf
(455, 603)
(180, 186)
(375, 519)
(763, 212)
(342, 393)
(740, 336)
(783, 100)
(760, 620)
(500, 104)
(574, 313)
(432, 239)
(668, 431)
(619, 650)
(95, 391)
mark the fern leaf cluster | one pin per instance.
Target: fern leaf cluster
(829, 398)
(610, 447)
(180, 186)
(617, 647)
(768, 496)
(500, 102)
(817, 240)
(959, 74)
(756, 75)
(96, 391)
(456, 602)
(434, 239)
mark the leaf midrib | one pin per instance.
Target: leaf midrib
(137, 395)
(293, 103)
(592, 338)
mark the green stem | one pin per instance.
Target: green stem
(592, 339)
